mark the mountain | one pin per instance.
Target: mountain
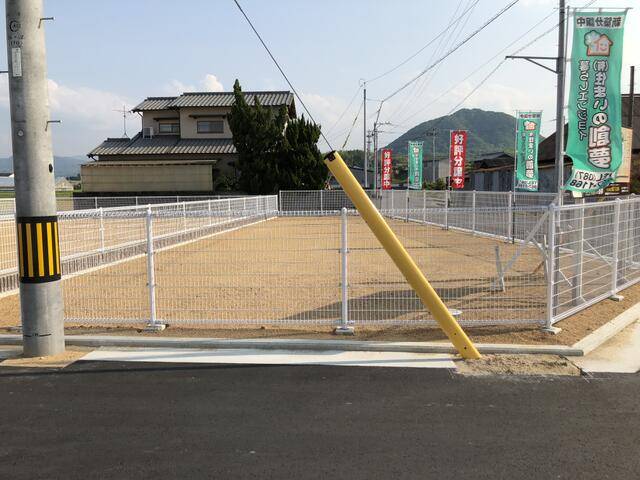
(63, 166)
(489, 132)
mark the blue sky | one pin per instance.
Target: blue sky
(102, 55)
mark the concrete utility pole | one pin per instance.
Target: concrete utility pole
(560, 69)
(364, 131)
(632, 81)
(433, 133)
(37, 224)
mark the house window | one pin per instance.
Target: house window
(169, 127)
(210, 126)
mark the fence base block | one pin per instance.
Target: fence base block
(552, 330)
(616, 298)
(154, 327)
(344, 330)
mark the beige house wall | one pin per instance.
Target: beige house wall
(147, 178)
(189, 126)
(149, 118)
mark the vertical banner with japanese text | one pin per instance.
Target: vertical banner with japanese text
(595, 120)
(457, 158)
(527, 138)
(387, 168)
(415, 165)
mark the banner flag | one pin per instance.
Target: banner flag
(415, 165)
(595, 120)
(387, 166)
(527, 138)
(457, 158)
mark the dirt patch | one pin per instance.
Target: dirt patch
(518, 365)
(70, 355)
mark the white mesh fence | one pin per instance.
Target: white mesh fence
(496, 259)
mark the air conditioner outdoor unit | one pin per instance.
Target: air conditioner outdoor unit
(147, 132)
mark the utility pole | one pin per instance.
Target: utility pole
(433, 133)
(560, 83)
(41, 307)
(375, 152)
(560, 68)
(364, 131)
(632, 81)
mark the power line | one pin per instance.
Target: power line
(455, 48)
(295, 92)
(344, 111)
(410, 57)
(355, 120)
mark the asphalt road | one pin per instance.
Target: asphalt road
(112, 420)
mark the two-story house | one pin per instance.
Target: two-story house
(185, 146)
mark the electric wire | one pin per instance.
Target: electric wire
(412, 56)
(295, 92)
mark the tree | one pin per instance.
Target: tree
(274, 151)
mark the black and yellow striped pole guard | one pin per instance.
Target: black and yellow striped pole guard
(38, 249)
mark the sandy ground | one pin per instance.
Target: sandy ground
(518, 365)
(281, 278)
(70, 355)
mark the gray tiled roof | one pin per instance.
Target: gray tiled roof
(226, 99)
(153, 103)
(164, 145)
(213, 99)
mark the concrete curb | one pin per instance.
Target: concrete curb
(297, 344)
(608, 330)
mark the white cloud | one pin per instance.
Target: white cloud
(209, 83)
(212, 84)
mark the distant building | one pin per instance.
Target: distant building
(185, 146)
(495, 171)
(63, 185)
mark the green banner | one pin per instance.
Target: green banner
(415, 165)
(527, 137)
(595, 135)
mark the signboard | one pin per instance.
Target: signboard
(415, 165)
(457, 157)
(595, 120)
(387, 166)
(622, 184)
(527, 137)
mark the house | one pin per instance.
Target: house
(63, 185)
(185, 146)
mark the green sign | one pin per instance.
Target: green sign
(415, 165)
(527, 136)
(595, 135)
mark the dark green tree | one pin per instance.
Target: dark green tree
(274, 151)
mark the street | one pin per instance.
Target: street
(146, 420)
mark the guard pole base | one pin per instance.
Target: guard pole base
(344, 330)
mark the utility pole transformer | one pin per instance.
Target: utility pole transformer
(41, 306)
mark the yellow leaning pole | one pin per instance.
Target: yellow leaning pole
(400, 257)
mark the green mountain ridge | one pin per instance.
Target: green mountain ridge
(489, 132)
(63, 166)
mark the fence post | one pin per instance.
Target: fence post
(95, 201)
(615, 253)
(210, 214)
(153, 324)
(510, 237)
(446, 209)
(473, 213)
(184, 216)
(551, 274)
(321, 202)
(576, 283)
(101, 230)
(406, 212)
(279, 206)
(344, 328)
(136, 201)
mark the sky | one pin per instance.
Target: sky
(103, 55)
